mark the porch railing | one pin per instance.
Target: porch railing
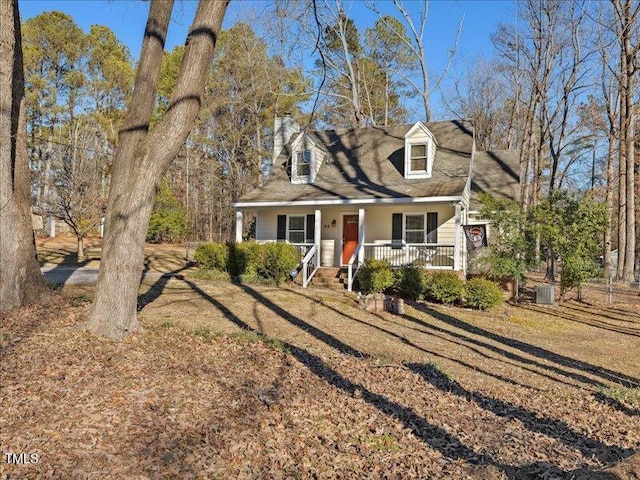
(309, 265)
(303, 248)
(351, 273)
(428, 255)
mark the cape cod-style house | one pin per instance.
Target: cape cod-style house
(400, 193)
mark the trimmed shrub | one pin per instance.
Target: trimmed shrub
(482, 294)
(270, 262)
(212, 256)
(411, 282)
(244, 258)
(375, 276)
(277, 261)
(445, 287)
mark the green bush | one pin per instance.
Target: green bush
(411, 282)
(278, 260)
(244, 258)
(375, 276)
(482, 294)
(445, 287)
(577, 269)
(212, 256)
(271, 262)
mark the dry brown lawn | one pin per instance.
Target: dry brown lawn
(62, 250)
(246, 381)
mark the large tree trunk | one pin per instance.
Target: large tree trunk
(21, 282)
(142, 157)
(608, 266)
(627, 14)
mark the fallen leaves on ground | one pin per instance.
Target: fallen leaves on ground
(171, 403)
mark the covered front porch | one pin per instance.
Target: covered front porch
(427, 234)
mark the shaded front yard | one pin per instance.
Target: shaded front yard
(236, 381)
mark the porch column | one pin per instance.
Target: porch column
(317, 233)
(458, 239)
(239, 219)
(361, 234)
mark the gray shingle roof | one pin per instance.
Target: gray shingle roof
(368, 163)
(496, 172)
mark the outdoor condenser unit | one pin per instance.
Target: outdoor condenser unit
(544, 294)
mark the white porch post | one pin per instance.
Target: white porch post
(239, 219)
(317, 232)
(361, 234)
(458, 239)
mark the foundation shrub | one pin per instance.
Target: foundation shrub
(482, 294)
(212, 256)
(444, 287)
(375, 276)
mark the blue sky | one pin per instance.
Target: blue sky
(127, 18)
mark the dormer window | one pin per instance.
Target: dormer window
(306, 158)
(420, 149)
(303, 164)
(418, 157)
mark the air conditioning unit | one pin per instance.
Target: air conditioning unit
(544, 294)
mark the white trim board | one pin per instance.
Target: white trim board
(347, 201)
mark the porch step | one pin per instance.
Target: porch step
(328, 272)
(334, 278)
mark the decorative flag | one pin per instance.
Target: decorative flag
(476, 236)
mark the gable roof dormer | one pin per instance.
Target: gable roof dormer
(306, 157)
(419, 151)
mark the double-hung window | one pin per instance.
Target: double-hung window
(296, 231)
(303, 163)
(414, 228)
(418, 157)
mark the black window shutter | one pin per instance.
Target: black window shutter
(432, 227)
(311, 227)
(396, 227)
(281, 233)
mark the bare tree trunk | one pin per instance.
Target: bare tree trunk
(142, 157)
(630, 247)
(21, 282)
(627, 14)
(80, 248)
(608, 266)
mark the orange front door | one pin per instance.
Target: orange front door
(349, 237)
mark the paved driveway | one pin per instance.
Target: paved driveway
(73, 275)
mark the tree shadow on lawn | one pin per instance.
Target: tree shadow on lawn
(616, 404)
(549, 427)
(158, 287)
(604, 374)
(433, 436)
(604, 313)
(59, 274)
(404, 340)
(596, 323)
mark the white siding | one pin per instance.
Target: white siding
(378, 221)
